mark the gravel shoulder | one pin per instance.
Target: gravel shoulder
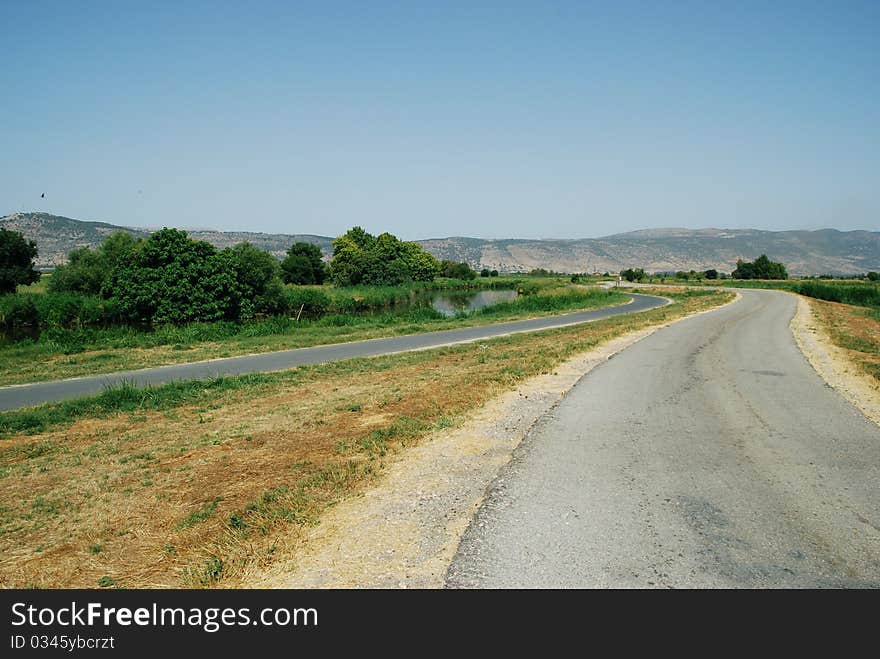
(829, 361)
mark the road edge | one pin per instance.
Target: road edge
(832, 364)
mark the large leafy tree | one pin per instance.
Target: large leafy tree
(88, 270)
(174, 279)
(360, 258)
(304, 265)
(16, 261)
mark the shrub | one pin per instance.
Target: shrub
(314, 302)
(18, 310)
(88, 270)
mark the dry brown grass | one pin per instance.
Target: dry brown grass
(856, 330)
(189, 496)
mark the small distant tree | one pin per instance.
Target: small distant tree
(494, 273)
(454, 270)
(304, 265)
(16, 261)
(484, 272)
(761, 268)
(711, 273)
(631, 274)
(873, 276)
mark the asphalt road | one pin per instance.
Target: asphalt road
(16, 396)
(709, 454)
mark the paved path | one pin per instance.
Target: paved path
(17, 396)
(710, 454)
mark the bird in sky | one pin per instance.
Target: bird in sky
(42, 196)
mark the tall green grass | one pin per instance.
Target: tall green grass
(862, 295)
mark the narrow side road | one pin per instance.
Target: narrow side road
(26, 395)
(709, 454)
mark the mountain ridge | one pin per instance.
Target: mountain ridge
(666, 249)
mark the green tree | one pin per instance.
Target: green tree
(258, 277)
(454, 270)
(633, 275)
(16, 261)
(88, 270)
(873, 276)
(485, 272)
(761, 268)
(711, 273)
(494, 273)
(175, 279)
(360, 258)
(304, 265)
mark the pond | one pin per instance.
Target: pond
(450, 304)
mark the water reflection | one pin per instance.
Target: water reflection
(450, 304)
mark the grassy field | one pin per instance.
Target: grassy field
(185, 484)
(69, 353)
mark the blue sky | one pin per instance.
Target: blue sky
(488, 119)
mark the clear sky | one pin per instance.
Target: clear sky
(427, 119)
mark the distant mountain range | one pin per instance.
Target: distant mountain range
(804, 252)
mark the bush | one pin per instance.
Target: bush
(88, 270)
(314, 302)
(454, 270)
(18, 311)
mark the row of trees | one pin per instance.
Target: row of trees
(171, 278)
(761, 268)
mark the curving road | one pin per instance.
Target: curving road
(709, 454)
(25, 395)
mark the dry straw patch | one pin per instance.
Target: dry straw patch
(193, 495)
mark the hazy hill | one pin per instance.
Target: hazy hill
(804, 252)
(57, 236)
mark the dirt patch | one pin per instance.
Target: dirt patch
(842, 368)
(404, 530)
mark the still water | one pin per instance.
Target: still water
(450, 304)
